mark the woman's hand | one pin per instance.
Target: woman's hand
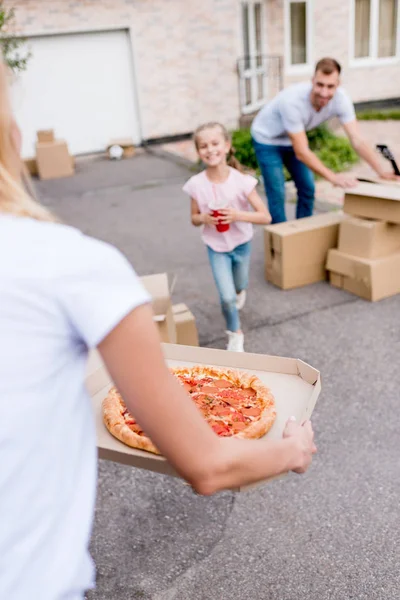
(304, 436)
(228, 215)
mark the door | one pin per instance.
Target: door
(82, 86)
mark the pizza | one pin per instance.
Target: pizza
(234, 403)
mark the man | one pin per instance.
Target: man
(279, 138)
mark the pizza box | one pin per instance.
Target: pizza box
(294, 384)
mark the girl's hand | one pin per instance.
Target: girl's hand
(228, 215)
(304, 436)
(208, 219)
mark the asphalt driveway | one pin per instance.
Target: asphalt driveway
(332, 534)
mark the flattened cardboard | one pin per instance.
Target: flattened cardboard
(45, 135)
(53, 160)
(185, 323)
(373, 201)
(295, 251)
(367, 238)
(371, 279)
(294, 384)
(158, 288)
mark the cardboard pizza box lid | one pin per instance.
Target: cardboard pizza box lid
(295, 385)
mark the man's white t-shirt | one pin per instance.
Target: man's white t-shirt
(61, 293)
(291, 111)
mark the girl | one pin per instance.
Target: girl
(62, 293)
(225, 202)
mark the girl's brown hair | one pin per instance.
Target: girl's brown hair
(231, 160)
(14, 199)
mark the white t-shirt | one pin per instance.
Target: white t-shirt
(61, 293)
(291, 111)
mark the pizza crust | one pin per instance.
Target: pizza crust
(114, 408)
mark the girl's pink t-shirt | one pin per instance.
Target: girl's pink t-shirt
(231, 193)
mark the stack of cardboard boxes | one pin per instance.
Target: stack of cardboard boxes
(367, 259)
(53, 159)
(359, 247)
(176, 324)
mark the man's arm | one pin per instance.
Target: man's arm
(364, 150)
(311, 160)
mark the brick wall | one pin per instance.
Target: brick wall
(184, 52)
(331, 23)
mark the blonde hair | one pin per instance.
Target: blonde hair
(14, 199)
(230, 159)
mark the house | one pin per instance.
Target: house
(152, 69)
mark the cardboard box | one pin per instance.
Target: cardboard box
(295, 251)
(158, 288)
(294, 384)
(373, 201)
(53, 160)
(372, 279)
(126, 144)
(185, 323)
(45, 135)
(367, 238)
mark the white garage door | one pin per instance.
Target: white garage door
(80, 85)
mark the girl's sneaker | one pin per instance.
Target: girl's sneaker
(235, 341)
(240, 299)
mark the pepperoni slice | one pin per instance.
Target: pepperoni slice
(248, 393)
(209, 389)
(220, 429)
(237, 417)
(222, 383)
(251, 412)
(221, 411)
(236, 427)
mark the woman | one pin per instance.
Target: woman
(62, 293)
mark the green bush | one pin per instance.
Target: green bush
(244, 151)
(335, 152)
(379, 115)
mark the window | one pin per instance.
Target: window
(298, 33)
(252, 67)
(375, 29)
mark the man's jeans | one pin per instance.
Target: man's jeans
(271, 160)
(231, 275)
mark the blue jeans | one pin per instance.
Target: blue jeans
(231, 276)
(271, 160)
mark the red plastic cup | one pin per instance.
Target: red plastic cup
(220, 226)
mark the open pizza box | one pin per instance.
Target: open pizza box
(294, 384)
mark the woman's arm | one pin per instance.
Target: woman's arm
(199, 218)
(259, 216)
(133, 357)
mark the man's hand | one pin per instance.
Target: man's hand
(389, 175)
(304, 436)
(343, 180)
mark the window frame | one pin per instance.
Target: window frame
(307, 67)
(373, 59)
(253, 71)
